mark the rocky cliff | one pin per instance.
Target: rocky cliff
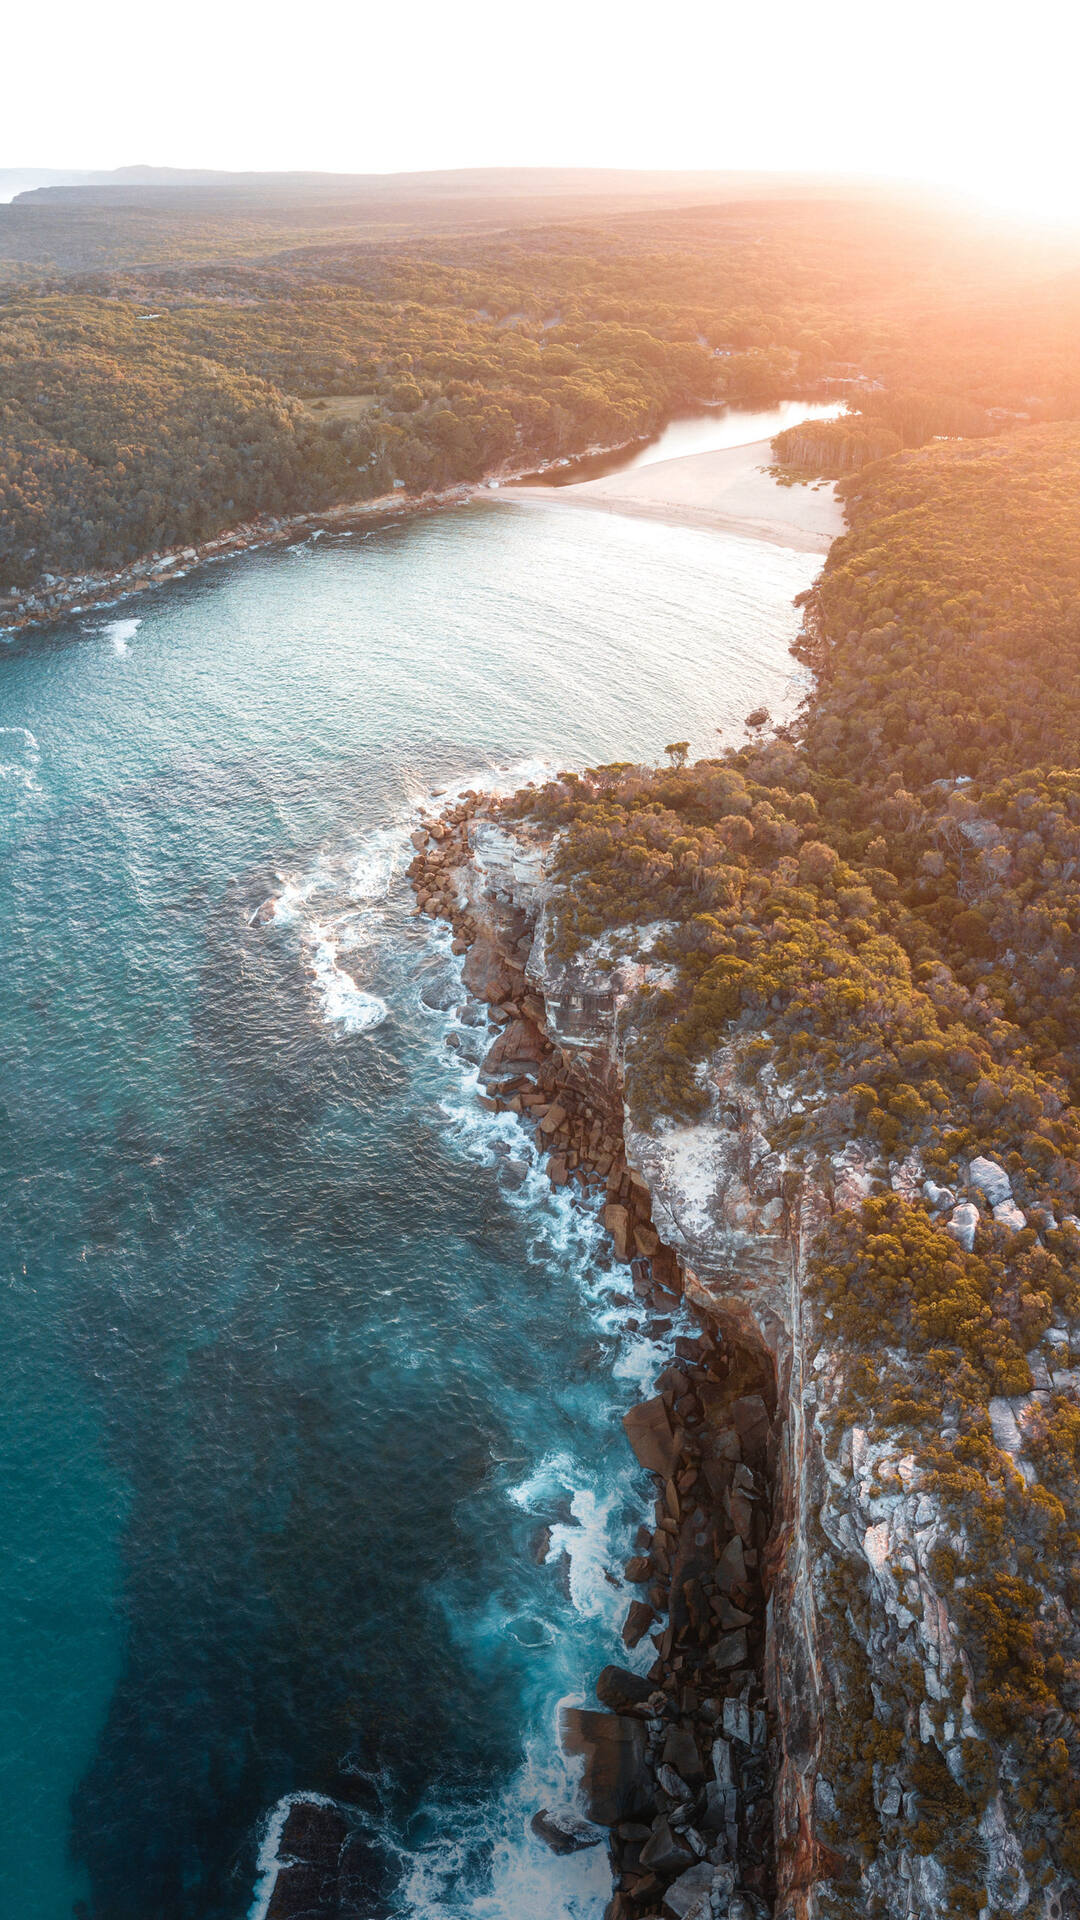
(876, 1753)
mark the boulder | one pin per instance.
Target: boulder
(731, 1566)
(617, 1223)
(618, 1688)
(664, 1852)
(962, 1223)
(565, 1831)
(680, 1752)
(990, 1179)
(685, 1892)
(753, 1426)
(615, 1782)
(648, 1429)
(1008, 1215)
(485, 972)
(638, 1620)
(520, 1041)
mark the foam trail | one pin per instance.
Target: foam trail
(21, 772)
(343, 1001)
(462, 1859)
(321, 905)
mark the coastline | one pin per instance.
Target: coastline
(59, 596)
(727, 491)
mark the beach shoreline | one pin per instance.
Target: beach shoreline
(727, 491)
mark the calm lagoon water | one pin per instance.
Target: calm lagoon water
(707, 432)
(300, 1352)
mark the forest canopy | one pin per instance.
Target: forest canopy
(197, 377)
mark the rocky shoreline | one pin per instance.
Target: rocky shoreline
(55, 596)
(679, 1763)
(788, 1748)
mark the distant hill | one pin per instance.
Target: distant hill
(476, 193)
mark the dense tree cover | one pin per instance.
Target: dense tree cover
(834, 447)
(113, 444)
(880, 905)
(152, 402)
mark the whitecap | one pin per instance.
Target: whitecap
(121, 633)
(343, 1001)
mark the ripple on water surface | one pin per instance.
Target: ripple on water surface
(306, 1329)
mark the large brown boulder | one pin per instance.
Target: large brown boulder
(485, 972)
(520, 1042)
(648, 1429)
(618, 1688)
(753, 1426)
(617, 1222)
(639, 1619)
(615, 1783)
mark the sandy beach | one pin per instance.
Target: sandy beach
(729, 490)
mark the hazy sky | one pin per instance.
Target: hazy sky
(971, 95)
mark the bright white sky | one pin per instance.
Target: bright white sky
(972, 95)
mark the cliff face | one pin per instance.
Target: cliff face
(849, 1566)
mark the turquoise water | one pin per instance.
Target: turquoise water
(300, 1350)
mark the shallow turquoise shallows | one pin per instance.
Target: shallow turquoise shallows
(300, 1354)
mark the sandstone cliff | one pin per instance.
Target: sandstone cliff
(863, 1819)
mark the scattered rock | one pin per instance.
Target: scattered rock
(685, 1892)
(962, 1224)
(637, 1623)
(665, 1852)
(680, 1752)
(990, 1179)
(753, 1426)
(731, 1566)
(730, 1650)
(618, 1224)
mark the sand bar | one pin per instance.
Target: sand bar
(729, 490)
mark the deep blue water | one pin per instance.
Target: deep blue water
(299, 1350)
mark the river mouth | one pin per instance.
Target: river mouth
(304, 1353)
(707, 430)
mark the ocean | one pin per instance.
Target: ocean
(311, 1445)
